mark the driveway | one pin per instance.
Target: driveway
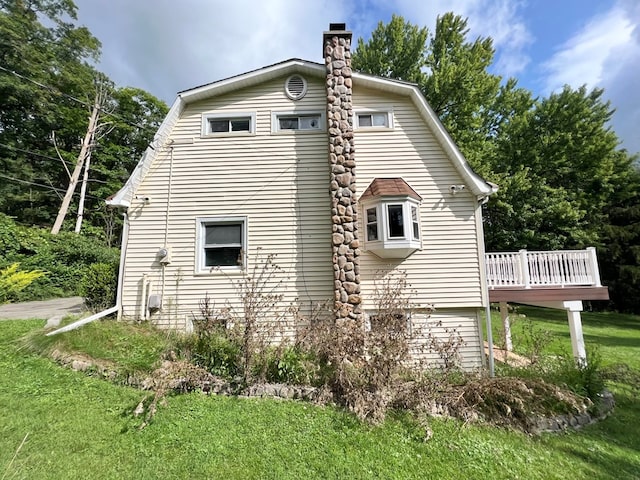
(51, 310)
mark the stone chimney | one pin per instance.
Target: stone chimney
(344, 214)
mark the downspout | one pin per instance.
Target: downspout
(117, 307)
(485, 285)
(123, 256)
(163, 266)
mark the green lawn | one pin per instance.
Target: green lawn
(81, 427)
(616, 337)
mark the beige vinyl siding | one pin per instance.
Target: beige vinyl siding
(446, 271)
(457, 326)
(278, 181)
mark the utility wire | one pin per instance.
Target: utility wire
(49, 187)
(47, 157)
(30, 152)
(77, 100)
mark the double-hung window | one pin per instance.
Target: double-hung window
(236, 123)
(222, 243)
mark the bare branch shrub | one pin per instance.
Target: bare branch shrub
(446, 345)
(261, 314)
(366, 361)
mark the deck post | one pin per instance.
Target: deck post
(577, 338)
(524, 268)
(506, 325)
(595, 270)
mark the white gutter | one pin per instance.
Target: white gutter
(114, 309)
(84, 321)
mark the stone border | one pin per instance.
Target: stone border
(218, 386)
(560, 423)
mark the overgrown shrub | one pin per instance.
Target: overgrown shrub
(289, 364)
(367, 364)
(584, 379)
(99, 286)
(65, 257)
(13, 281)
(213, 346)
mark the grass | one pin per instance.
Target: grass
(129, 347)
(81, 427)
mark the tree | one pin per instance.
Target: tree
(620, 236)
(38, 64)
(47, 89)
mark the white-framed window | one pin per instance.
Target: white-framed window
(297, 121)
(392, 226)
(222, 124)
(395, 220)
(415, 223)
(371, 217)
(373, 119)
(221, 243)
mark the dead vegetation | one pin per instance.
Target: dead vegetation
(364, 365)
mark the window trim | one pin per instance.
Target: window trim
(384, 111)
(376, 208)
(230, 116)
(276, 116)
(201, 223)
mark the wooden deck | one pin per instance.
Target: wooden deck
(554, 279)
(533, 277)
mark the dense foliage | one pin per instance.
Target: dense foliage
(47, 89)
(564, 182)
(66, 259)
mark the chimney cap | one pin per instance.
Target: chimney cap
(336, 30)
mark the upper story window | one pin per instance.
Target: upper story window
(374, 119)
(221, 243)
(303, 121)
(242, 123)
(392, 216)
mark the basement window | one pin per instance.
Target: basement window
(214, 124)
(221, 243)
(304, 121)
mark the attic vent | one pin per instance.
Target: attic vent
(296, 87)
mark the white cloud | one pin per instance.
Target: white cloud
(583, 58)
(605, 54)
(165, 47)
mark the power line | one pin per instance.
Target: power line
(77, 100)
(49, 187)
(35, 153)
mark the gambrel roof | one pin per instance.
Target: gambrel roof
(474, 183)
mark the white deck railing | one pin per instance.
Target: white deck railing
(525, 269)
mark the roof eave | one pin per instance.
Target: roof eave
(252, 78)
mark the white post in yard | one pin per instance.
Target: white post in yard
(575, 328)
(506, 325)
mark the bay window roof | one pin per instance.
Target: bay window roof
(389, 187)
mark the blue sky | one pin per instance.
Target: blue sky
(165, 46)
